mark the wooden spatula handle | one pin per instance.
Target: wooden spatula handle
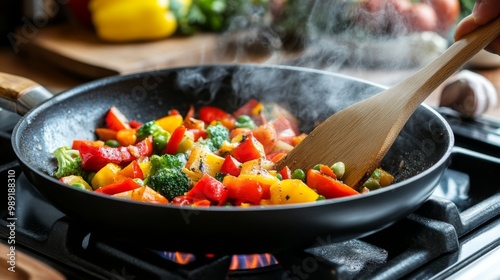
(435, 73)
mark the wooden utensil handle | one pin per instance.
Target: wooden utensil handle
(19, 95)
(435, 73)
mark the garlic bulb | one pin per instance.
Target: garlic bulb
(468, 93)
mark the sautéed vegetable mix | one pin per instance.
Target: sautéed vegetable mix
(205, 158)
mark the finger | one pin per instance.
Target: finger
(485, 10)
(467, 25)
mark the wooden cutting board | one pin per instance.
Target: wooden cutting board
(79, 50)
(24, 266)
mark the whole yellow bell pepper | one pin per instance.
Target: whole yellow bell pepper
(132, 20)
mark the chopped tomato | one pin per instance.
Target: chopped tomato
(266, 135)
(116, 120)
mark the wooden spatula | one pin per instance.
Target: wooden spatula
(361, 135)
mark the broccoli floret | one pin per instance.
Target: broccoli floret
(69, 162)
(166, 161)
(169, 182)
(160, 135)
(216, 134)
(166, 176)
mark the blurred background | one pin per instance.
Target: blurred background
(62, 43)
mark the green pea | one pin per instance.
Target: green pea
(321, 197)
(339, 169)
(112, 143)
(279, 176)
(299, 174)
(317, 166)
(372, 184)
(79, 185)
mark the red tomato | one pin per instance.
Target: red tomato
(420, 17)
(372, 5)
(447, 12)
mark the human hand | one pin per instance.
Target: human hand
(483, 12)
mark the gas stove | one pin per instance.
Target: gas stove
(455, 234)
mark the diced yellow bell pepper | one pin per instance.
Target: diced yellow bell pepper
(170, 123)
(186, 143)
(292, 191)
(202, 161)
(105, 176)
(130, 20)
(145, 167)
(74, 180)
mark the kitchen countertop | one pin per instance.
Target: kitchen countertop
(56, 79)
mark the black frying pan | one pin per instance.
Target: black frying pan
(417, 159)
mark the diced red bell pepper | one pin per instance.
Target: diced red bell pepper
(96, 157)
(182, 200)
(118, 187)
(285, 173)
(326, 170)
(175, 140)
(275, 157)
(143, 148)
(116, 120)
(231, 166)
(210, 113)
(253, 109)
(248, 149)
(328, 186)
(243, 190)
(173, 112)
(77, 143)
(106, 134)
(198, 133)
(133, 170)
(135, 124)
(209, 188)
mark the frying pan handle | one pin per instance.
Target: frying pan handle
(19, 95)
